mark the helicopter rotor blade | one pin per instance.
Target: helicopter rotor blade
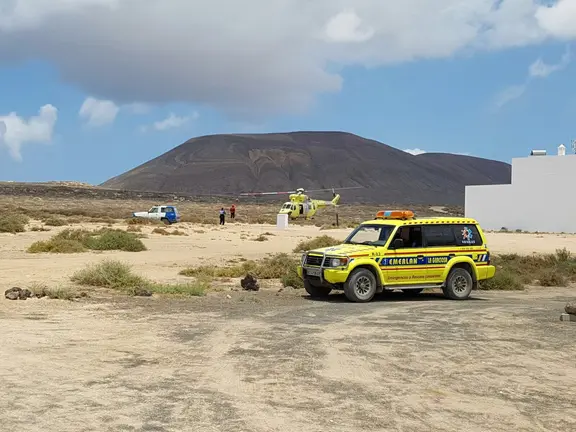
(266, 193)
(335, 189)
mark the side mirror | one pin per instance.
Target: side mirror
(397, 244)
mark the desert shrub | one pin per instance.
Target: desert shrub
(117, 275)
(13, 223)
(551, 277)
(291, 278)
(134, 228)
(503, 280)
(143, 221)
(261, 238)
(315, 243)
(274, 267)
(78, 240)
(56, 245)
(114, 240)
(108, 274)
(549, 269)
(39, 229)
(55, 222)
(163, 231)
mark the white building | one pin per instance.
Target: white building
(540, 198)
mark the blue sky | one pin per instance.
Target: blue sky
(438, 101)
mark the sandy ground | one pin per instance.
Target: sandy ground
(167, 255)
(262, 363)
(268, 361)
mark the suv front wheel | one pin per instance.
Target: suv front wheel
(316, 291)
(459, 284)
(360, 286)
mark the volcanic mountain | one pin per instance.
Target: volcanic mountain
(231, 164)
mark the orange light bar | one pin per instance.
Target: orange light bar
(395, 214)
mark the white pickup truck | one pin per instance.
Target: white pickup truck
(165, 213)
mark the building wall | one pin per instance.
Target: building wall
(540, 198)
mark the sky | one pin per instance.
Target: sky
(92, 88)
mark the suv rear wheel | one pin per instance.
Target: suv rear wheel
(316, 291)
(459, 284)
(360, 286)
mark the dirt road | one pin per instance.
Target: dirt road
(262, 363)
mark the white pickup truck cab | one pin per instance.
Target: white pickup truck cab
(165, 213)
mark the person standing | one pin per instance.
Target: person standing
(222, 215)
(232, 211)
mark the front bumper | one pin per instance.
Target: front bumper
(331, 275)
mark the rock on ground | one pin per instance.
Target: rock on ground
(570, 308)
(250, 283)
(16, 293)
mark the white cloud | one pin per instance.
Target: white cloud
(537, 70)
(509, 94)
(558, 20)
(415, 151)
(16, 131)
(540, 69)
(98, 112)
(171, 122)
(346, 27)
(224, 54)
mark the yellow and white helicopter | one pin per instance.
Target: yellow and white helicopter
(300, 204)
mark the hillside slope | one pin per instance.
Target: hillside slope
(230, 164)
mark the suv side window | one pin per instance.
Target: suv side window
(467, 235)
(412, 236)
(440, 235)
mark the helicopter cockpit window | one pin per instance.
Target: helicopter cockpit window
(153, 210)
(287, 206)
(373, 235)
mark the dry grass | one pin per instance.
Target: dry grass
(75, 241)
(39, 229)
(55, 221)
(280, 266)
(513, 271)
(315, 243)
(58, 293)
(143, 221)
(119, 276)
(163, 231)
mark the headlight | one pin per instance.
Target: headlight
(303, 259)
(338, 262)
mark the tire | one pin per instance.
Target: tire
(411, 292)
(316, 291)
(459, 284)
(360, 286)
(166, 221)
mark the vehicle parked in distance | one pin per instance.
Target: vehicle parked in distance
(165, 213)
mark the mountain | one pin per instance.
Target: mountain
(231, 164)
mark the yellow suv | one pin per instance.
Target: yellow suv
(397, 251)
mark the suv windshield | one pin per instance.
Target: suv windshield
(373, 235)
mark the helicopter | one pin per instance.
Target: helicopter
(300, 204)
